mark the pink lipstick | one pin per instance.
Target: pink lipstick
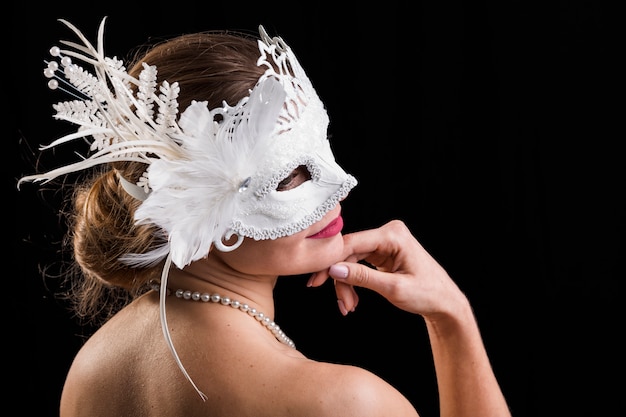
(332, 229)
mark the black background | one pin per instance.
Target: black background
(490, 128)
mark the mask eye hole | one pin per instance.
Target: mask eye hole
(298, 176)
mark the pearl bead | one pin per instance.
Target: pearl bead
(216, 298)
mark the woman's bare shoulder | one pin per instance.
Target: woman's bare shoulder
(128, 358)
(346, 390)
(114, 353)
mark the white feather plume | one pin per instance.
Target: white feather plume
(195, 197)
(195, 167)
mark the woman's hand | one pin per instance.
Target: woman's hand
(401, 270)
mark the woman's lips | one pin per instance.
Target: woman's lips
(332, 229)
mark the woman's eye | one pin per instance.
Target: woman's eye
(297, 177)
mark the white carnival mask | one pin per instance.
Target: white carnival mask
(205, 180)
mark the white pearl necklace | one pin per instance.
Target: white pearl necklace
(245, 308)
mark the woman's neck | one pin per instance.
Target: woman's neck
(212, 275)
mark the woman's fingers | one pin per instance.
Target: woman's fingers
(347, 298)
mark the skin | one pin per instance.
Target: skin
(408, 277)
(126, 368)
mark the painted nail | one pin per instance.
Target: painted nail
(338, 271)
(342, 307)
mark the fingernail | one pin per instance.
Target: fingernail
(342, 307)
(339, 271)
(310, 281)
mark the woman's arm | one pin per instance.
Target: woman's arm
(408, 277)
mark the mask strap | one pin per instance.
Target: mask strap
(166, 332)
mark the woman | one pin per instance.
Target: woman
(192, 216)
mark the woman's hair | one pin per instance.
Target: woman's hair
(208, 66)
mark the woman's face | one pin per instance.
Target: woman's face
(313, 249)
